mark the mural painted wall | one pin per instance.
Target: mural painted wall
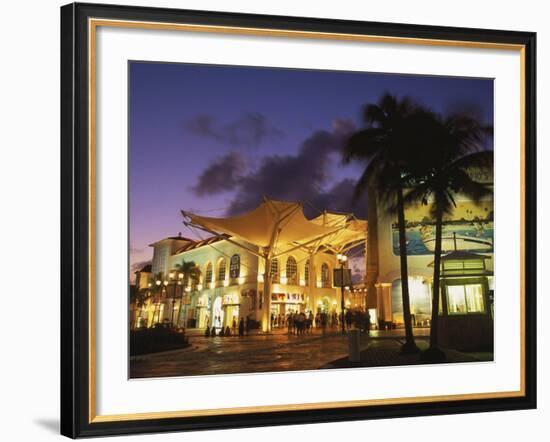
(470, 227)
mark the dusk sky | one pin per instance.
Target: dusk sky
(214, 139)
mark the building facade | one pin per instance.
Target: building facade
(230, 284)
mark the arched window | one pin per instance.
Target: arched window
(306, 272)
(325, 276)
(221, 270)
(208, 273)
(291, 271)
(235, 266)
(274, 270)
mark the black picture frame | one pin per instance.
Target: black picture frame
(75, 221)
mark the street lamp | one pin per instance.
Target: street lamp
(158, 283)
(342, 260)
(164, 285)
(172, 277)
(180, 282)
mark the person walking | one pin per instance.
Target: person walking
(367, 322)
(241, 327)
(349, 318)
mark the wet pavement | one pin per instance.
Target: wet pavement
(278, 351)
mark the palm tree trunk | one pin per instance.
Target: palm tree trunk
(157, 305)
(410, 345)
(181, 309)
(133, 318)
(437, 275)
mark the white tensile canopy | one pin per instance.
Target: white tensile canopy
(350, 231)
(278, 227)
(285, 219)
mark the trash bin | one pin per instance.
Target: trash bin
(354, 336)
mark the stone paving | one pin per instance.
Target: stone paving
(248, 354)
(277, 351)
(386, 352)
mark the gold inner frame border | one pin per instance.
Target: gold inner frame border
(93, 24)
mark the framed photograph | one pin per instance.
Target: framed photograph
(280, 220)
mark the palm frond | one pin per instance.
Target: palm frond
(363, 145)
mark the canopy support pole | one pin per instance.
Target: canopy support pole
(312, 282)
(304, 245)
(266, 310)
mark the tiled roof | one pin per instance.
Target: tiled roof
(196, 244)
(146, 268)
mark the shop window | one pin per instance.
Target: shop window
(464, 299)
(461, 267)
(221, 270)
(235, 266)
(325, 276)
(420, 302)
(291, 271)
(306, 272)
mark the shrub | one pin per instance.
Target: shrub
(156, 339)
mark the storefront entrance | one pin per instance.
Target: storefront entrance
(217, 313)
(203, 312)
(231, 314)
(325, 306)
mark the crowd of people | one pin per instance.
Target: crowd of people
(303, 323)
(298, 323)
(238, 328)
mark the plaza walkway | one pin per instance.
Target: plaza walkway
(277, 351)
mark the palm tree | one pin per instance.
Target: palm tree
(385, 146)
(190, 274)
(453, 149)
(138, 297)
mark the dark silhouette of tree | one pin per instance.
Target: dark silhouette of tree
(191, 274)
(387, 148)
(452, 151)
(138, 298)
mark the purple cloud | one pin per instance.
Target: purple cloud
(222, 175)
(249, 130)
